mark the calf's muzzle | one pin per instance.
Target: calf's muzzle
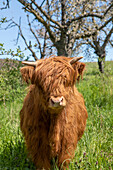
(56, 102)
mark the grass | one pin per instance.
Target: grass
(94, 150)
(13, 154)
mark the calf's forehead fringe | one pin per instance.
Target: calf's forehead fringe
(55, 67)
(53, 73)
(63, 60)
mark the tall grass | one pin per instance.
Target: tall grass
(94, 150)
(13, 154)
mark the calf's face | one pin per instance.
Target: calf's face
(54, 77)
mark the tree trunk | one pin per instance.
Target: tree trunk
(101, 63)
(63, 49)
(62, 52)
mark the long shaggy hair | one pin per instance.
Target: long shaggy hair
(52, 132)
(81, 68)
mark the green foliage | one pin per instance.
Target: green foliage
(94, 150)
(2, 20)
(10, 80)
(10, 52)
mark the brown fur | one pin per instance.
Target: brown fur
(52, 133)
(27, 73)
(81, 69)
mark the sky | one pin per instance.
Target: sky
(8, 37)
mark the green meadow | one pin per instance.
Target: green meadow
(94, 150)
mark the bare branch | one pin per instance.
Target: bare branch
(104, 25)
(83, 16)
(93, 33)
(33, 31)
(30, 9)
(89, 15)
(107, 38)
(21, 34)
(42, 3)
(47, 16)
(111, 43)
(43, 47)
(89, 42)
(108, 9)
(6, 6)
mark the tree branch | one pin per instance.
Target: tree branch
(89, 15)
(39, 44)
(63, 11)
(46, 15)
(30, 9)
(7, 5)
(42, 3)
(83, 16)
(107, 38)
(91, 45)
(44, 45)
(42, 52)
(111, 43)
(93, 33)
(28, 46)
(107, 10)
(109, 20)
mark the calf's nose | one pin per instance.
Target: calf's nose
(57, 101)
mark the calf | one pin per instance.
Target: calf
(53, 116)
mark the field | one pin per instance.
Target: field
(94, 150)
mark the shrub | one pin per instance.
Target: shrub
(10, 80)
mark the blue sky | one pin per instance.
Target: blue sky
(8, 36)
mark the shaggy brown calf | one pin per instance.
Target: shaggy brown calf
(53, 117)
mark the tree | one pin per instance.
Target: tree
(101, 39)
(99, 44)
(61, 24)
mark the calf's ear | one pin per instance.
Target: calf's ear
(79, 69)
(27, 73)
(75, 64)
